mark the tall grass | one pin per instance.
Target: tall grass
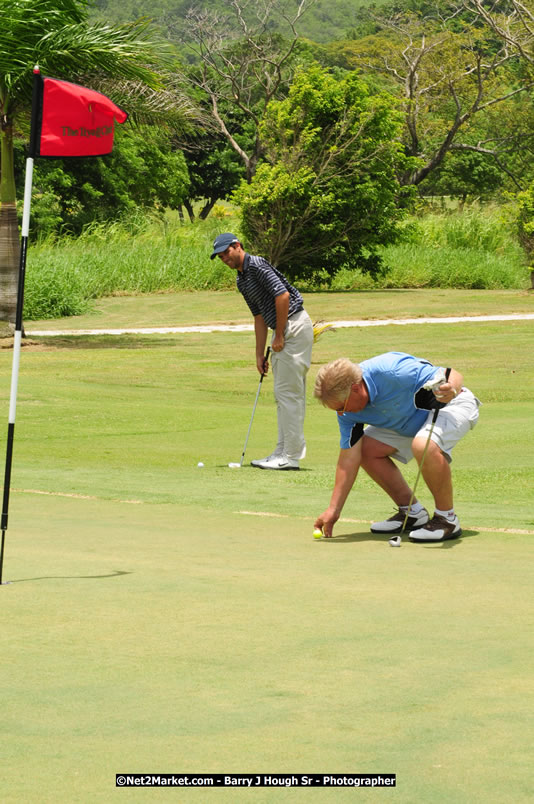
(153, 255)
(474, 248)
(418, 266)
(471, 249)
(485, 228)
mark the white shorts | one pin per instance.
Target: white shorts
(452, 423)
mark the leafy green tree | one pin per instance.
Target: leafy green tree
(54, 33)
(525, 225)
(450, 72)
(215, 168)
(464, 174)
(328, 195)
(244, 57)
(142, 172)
(214, 172)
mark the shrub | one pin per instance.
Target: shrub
(525, 222)
(328, 195)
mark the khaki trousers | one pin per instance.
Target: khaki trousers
(290, 367)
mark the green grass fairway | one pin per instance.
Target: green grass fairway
(166, 638)
(166, 618)
(228, 307)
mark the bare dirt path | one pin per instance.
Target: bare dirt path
(249, 327)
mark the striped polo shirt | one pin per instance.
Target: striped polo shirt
(260, 283)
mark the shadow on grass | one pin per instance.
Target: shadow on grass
(108, 342)
(367, 536)
(115, 574)
(267, 472)
(359, 291)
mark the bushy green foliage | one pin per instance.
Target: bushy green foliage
(328, 195)
(471, 248)
(142, 172)
(147, 254)
(417, 265)
(463, 174)
(477, 227)
(525, 222)
(214, 171)
(141, 254)
(55, 292)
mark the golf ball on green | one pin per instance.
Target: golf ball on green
(317, 533)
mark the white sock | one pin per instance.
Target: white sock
(415, 508)
(446, 514)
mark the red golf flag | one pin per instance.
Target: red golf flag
(67, 120)
(74, 120)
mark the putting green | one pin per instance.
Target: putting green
(166, 638)
(171, 633)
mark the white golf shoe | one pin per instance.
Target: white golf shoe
(270, 457)
(437, 530)
(280, 462)
(394, 523)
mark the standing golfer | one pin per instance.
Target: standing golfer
(393, 393)
(277, 305)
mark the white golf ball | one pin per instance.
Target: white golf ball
(395, 541)
(200, 464)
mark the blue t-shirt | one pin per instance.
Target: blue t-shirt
(392, 379)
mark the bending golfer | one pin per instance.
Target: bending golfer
(276, 305)
(393, 394)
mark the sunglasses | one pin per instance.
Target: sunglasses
(341, 412)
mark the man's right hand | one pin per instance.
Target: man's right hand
(347, 468)
(326, 522)
(262, 364)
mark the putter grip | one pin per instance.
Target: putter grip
(440, 405)
(267, 353)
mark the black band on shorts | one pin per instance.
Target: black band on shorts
(424, 399)
(356, 433)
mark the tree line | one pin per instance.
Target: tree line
(324, 146)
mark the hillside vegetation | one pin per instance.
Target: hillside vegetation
(325, 21)
(336, 144)
(473, 250)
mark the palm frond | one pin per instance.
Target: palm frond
(64, 46)
(169, 106)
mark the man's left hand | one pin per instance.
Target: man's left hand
(446, 392)
(278, 343)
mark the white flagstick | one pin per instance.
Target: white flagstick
(18, 327)
(16, 353)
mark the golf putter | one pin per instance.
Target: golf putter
(434, 383)
(240, 464)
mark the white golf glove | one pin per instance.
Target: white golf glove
(438, 379)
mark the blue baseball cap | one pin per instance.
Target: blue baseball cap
(222, 242)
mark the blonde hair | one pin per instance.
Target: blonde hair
(334, 381)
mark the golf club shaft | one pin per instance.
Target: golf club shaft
(434, 417)
(412, 498)
(267, 353)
